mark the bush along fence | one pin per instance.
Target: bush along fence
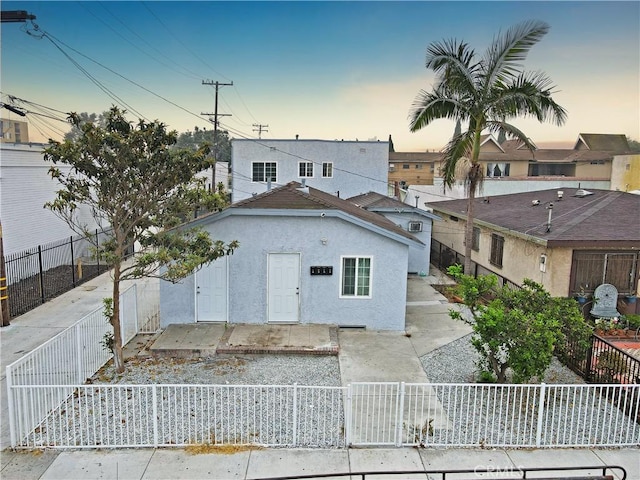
(41, 273)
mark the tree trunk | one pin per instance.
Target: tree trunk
(118, 357)
(468, 229)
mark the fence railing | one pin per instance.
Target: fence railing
(391, 414)
(66, 360)
(40, 273)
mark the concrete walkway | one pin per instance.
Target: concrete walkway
(150, 464)
(365, 356)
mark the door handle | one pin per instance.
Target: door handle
(198, 290)
(297, 290)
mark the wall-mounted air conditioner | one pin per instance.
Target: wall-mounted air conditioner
(415, 227)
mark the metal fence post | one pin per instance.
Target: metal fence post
(135, 308)
(79, 354)
(10, 405)
(347, 417)
(73, 263)
(42, 296)
(588, 373)
(543, 392)
(154, 402)
(97, 250)
(400, 415)
(295, 415)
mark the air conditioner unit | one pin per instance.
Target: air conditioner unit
(415, 227)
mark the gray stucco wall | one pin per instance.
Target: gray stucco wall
(419, 257)
(358, 167)
(319, 295)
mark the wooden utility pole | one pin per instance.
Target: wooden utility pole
(260, 128)
(215, 127)
(4, 293)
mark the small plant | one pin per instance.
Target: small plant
(108, 340)
(486, 377)
(632, 320)
(611, 366)
(420, 433)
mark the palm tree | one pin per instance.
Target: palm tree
(483, 93)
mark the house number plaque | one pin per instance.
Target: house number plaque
(321, 270)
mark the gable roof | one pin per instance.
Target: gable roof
(602, 219)
(307, 201)
(376, 202)
(602, 141)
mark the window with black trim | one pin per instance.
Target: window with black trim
(305, 169)
(263, 171)
(497, 250)
(327, 169)
(475, 242)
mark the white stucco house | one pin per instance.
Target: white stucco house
(25, 186)
(341, 168)
(305, 256)
(417, 221)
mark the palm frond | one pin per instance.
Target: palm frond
(530, 94)
(430, 106)
(503, 59)
(459, 147)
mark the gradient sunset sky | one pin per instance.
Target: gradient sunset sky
(326, 70)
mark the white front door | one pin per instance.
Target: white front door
(211, 292)
(284, 287)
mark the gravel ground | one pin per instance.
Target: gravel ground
(318, 370)
(503, 416)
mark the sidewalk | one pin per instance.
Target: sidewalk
(397, 359)
(263, 463)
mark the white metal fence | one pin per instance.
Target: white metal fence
(90, 416)
(51, 405)
(66, 360)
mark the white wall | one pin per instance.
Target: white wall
(320, 300)
(358, 167)
(25, 186)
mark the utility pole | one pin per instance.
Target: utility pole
(260, 128)
(215, 128)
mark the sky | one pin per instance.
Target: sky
(320, 70)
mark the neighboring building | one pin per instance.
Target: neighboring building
(14, 131)
(413, 168)
(597, 161)
(593, 237)
(341, 168)
(414, 220)
(25, 186)
(305, 256)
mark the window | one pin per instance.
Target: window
(432, 168)
(418, 166)
(263, 171)
(475, 242)
(552, 169)
(305, 169)
(327, 169)
(497, 249)
(498, 169)
(405, 166)
(16, 131)
(356, 277)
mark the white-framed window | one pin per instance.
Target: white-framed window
(355, 277)
(264, 171)
(327, 169)
(305, 169)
